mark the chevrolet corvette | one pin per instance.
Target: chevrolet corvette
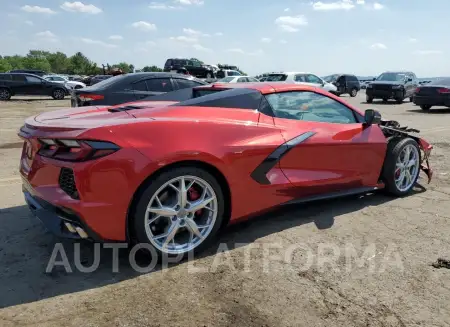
(172, 174)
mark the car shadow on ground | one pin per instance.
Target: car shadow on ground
(380, 102)
(26, 248)
(434, 111)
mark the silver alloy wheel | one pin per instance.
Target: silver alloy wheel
(176, 224)
(4, 94)
(58, 94)
(407, 168)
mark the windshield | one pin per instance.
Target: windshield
(226, 80)
(330, 79)
(392, 77)
(276, 78)
(441, 81)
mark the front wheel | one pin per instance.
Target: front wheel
(353, 93)
(401, 166)
(180, 212)
(5, 94)
(58, 94)
(369, 99)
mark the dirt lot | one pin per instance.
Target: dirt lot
(390, 282)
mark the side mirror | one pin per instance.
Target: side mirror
(372, 117)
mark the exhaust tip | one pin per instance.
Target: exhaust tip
(81, 232)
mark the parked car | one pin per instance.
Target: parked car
(301, 78)
(345, 84)
(12, 84)
(70, 84)
(262, 79)
(435, 93)
(173, 176)
(194, 68)
(131, 87)
(238, 79)
(227, 73)
(29, 71)
(97, 79)
(392, 85)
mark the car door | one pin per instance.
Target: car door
(341, 84)
(19, 84)
(36, 85)
(314, 80)
(328, 147)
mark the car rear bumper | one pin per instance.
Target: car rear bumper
(430, 100)
(381, 94)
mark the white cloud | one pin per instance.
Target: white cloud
(191, 32)
(287, 9)
(97, 42)
(116, 37)
(428, 52)
(29, 22)
(145, 46)
(378, 46)
(412, 40)
(37, 10)
(163, 6)
(240, 51)
(144, 26)
(185, 39)
(338, 5)
(236, 50)
(47, 36)
(360, 2)
(377, 6)
(190, 2)
(291, 23)
(218, 34)
(283, 41)
(266, 40)
(201, 48)
(78, 6)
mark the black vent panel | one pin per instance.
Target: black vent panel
(67, 183)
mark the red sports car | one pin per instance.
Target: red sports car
(172, 174)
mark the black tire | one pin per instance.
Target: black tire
(369, 99)
(400, 100)
(411, 99)
(353, 92)
(394, 149)
(58, 94)
(425, 107)
(5, 94)
(138, 218)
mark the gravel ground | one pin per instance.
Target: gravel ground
(359, 261)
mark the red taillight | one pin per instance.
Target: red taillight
(75, 150)
(443, 90)
(417, 90)
(91, 97)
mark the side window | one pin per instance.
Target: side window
(195, 64)
(310, 106)
(242, 80)
(313, 79)
(18, 78)
(32, 79)
(5, 77)
(252, 80)
(140, 86)
(300, 78)
(185, 83)
(341, 80)
(159, 85)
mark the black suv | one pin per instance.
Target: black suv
(345, 83)
(392, 85)
(195, 68)
(28, 84)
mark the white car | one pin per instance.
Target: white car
(301, 78)
(62, 79)
(238, 79)
(227, 72)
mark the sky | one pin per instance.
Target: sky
(363, 37)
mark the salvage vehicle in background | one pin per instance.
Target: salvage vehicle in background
(392, 85)
(131, 87)
(125, 175)
(97, 79)
(223, 73)
(301, 78)
(194, 68)
(345, 84)
(70, 84)
(238, 79)
(12, 84)
(435, 93)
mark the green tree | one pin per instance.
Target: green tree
(59, 62)
(4, 65)
(151, 69)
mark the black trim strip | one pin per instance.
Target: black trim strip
(260, 172)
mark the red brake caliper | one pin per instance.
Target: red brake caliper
(193, 195)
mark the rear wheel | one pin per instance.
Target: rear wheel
(425, 107)
(402, 166)
(5, 94)
(369, 99)
(179, 212)
(353, 92)
(58, 94)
